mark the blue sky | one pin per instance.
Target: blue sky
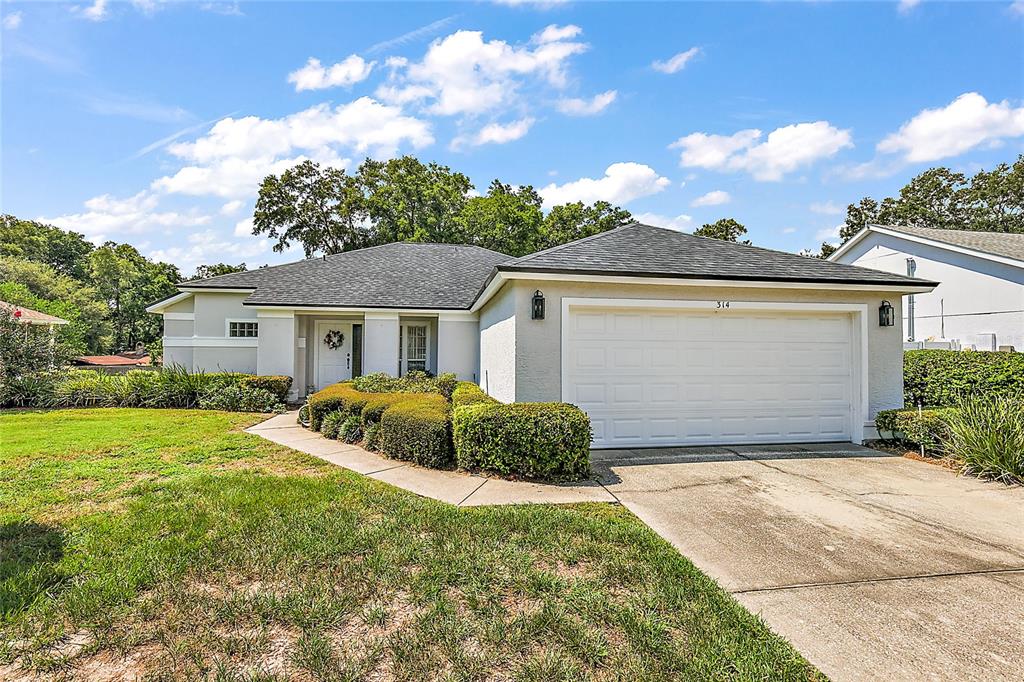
(153, 122)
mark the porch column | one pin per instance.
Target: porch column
(458, 345)
(380, 343)
(275, 352)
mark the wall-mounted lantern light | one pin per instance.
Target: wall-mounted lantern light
(538, 305)
(886, 318)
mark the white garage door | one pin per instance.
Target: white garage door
(654, 377)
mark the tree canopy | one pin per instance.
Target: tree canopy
(726, 229)
(204, 271)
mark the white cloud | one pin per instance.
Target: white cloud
(106, 216)
(587, 107)
(1017, 7)
(464, 74)
(681, 222)
(314, 76)
(827, 208)
(97, 11)
(12, 20)
(553, 33)
(496, 133)
(231, 159)
(784, 150)
(828, 234)
(714, 198)
(676, 63)
(207, 247)
(788, 230)
(231, 207)
(905, 6)
(622, 182)
(967, 122)
(243, 228)
(415, 34)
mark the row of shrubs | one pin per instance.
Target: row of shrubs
(942, 378)
(170, 387)
(442, 422)
(984, 435)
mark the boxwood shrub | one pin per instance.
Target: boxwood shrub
(537, 440)
(929, 428)
(468, 393)
(945, 377)
(278, 385)
(341, 397)
(417, 430)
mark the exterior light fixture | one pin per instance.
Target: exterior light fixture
(537, 311)
(886, 318)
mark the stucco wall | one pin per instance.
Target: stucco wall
(537, 345)
(177, 355)
(212, 310)
(225, 359)
(458, 347)
(380, 343)
(976, 295)
(498, 345)
(178, 328)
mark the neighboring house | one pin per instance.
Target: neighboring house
(663, 338)
(34, 317)
(127, 359)
(980, 302)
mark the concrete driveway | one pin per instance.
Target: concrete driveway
(873, 566)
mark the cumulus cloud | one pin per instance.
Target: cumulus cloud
(967, 122)
(231, 207)
(622, 183)
(827, 208)
(315, 76)
(462, 74)
(676, 63)
(97, 11)
(784, 150)
(829, 234)
(496, 133)
(906, 6)
(681, 222)
(106, 216)
(236, 176)
(243, 228)
(587, 107)
(714, 198)
(208, 247)
(12, 20)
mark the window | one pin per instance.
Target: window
(412, 348)
(243, 330)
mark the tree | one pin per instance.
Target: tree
(506, 220)
(321, 208)
(205, 271)
(26, 349)
(62, 250)
(407, 200)
(725, 229)
(570, 222)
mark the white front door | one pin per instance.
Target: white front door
(684, 377)
(333, 364)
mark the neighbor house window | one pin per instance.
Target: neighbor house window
(412, 348)
(243, 330)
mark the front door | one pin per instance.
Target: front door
(333, 352)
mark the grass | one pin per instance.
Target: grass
(168, 544)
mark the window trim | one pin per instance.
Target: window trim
(241, 320)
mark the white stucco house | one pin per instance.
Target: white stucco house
(663, 338)
(980, 301)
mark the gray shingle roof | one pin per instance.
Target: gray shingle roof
(645, 251)
(399, 275)
(995, 243)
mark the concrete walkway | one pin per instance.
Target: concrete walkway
(454, 487)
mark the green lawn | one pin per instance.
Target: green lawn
(167, 544)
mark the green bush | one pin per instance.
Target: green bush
(412, 382)
(417, 430)
(374, 408)
(351, 430)
(944, 377)
(371, 437)
(240, 399)
(330, 426)
(341, 397)
(987, 435)
(468, 393)
(537, 440)
(32, 389)
(278, 385)
(929, 428)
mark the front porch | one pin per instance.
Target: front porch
(325, 346)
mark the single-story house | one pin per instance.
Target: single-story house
(980, 302)
(126, 360)
(34, 317)
(663, 338)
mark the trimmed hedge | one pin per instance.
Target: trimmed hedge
(468, 393)
(412, 382)
(417, 430)
(929, 428)
(278, 385)
(945, 377)
(341, 397)
(537, 440)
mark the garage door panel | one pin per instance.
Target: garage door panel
(664, 377)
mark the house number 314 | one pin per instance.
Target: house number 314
(722, 304)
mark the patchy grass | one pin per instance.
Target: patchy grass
(167, 544)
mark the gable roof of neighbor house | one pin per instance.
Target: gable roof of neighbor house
(398, 275)
(638, 250)
(1000, 244)
(29, 316)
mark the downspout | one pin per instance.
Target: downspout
(911, 269)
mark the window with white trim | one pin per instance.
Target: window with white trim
(243, 330)
(412, 348)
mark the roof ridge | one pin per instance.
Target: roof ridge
(588, 238)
